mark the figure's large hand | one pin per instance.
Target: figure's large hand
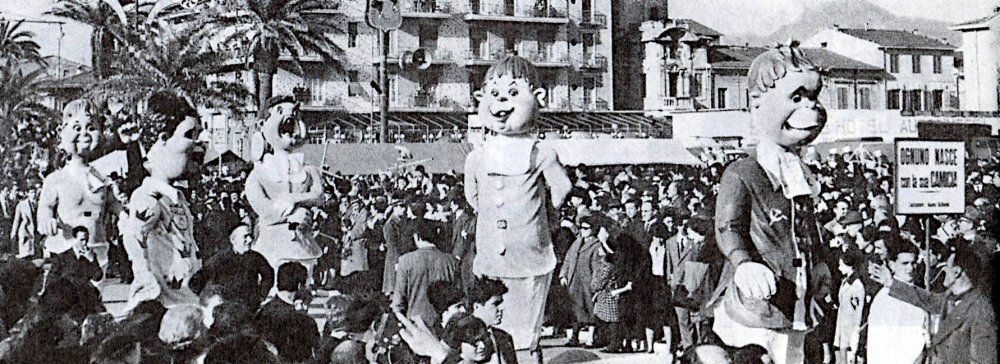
(48, 226)
(420, 339)
(755, 280)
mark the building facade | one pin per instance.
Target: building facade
(569, 42)
(921, 70)
(979, 83)
(627, 17)
(676, 65)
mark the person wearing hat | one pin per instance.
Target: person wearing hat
(582, 258)
(852, 223)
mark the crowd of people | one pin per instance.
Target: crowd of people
(637, 265)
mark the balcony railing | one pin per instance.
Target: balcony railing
(594, 62)
(481, 56)
(508, 9)
(594, 19)
(425, 100)
(427, 7)
(545, 57)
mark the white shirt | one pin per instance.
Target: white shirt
(657, 252)
(895, 330)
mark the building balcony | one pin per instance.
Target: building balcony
(594, 20)
(308, 56)
(321, 104)
(438, 56)
(547, 58)
(593, 62)
(423, 101)
(426, 9)
(677, 103)
(503, 13)
(594, 105)
(482, 58)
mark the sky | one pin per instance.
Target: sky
(757, 17)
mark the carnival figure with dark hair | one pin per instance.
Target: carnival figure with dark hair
(514, 183)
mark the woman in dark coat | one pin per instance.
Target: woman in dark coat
(609, 285)
(637, 307)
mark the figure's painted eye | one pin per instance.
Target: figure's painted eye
(77, 128)
(796, 98)
(495, 93)
(512, 92)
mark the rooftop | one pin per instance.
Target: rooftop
(888, 38)
(699, 28)
(976, 23)
(735, 57)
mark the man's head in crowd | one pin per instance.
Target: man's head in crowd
(852, 222)
(424, 235)
(851, 261)
(648, 211)
(292, 276)
(902, 259)
(698, 228)
(841, 208)
(471, 337)
(447, 299)
(241, 239)
(631, 208)
(964, 270)
(484, 298)
(81, 236)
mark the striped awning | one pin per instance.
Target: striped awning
(595, 120)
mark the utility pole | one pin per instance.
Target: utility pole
(383, 75)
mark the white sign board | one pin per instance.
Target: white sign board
(930, 177)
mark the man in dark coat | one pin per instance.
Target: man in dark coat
(394, 245)
(244, 274)
(416, 271)
(582, 259)
(293, 333)
(967, 331)
(78, 263)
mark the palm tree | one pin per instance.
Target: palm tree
(179, 62)
(17, 45)
(270, 27)
(105, 16)
(20, 99)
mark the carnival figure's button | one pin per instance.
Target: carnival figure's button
(499, 202)
(797, 263)
(502, 224)
(87, 213)
(501, 249)
(499, 184)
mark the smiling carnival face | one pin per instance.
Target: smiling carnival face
(79, 133)
(790, 114)
(508, 105)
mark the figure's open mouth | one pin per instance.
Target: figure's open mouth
(786, 125)
(289, 127)
(502, 114)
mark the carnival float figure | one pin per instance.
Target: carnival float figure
(514, 183)
(281, 190)
(77, 195)
(764, 215)
(159, 231)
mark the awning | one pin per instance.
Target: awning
(352, 159)
(592, 120)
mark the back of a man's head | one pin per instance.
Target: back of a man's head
(291, 276)
(484, 289)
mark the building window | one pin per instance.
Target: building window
(352, 34)
(865, 98)
(937, 64)
(912, 100)
(892, 100)
(893, 63)
(428, 37)
(937, 99)
(842, 98)
(721, 100)
(916, 63)
(354, 86)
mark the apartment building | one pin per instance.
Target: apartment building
(568, 40)
(676, 65)
(921, 70)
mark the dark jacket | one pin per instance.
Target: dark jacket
(246, 277)
(293, 333)
(68, 265)
(967, 331)
(754, 224)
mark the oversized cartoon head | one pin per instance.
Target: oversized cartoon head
(80, 131)
(511, 97)
(282, 128)
(784, 91)
(177, 126)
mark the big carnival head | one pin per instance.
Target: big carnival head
(784, 91)
(511, 97)
(282, 128)
(80, 131)
(177, 127)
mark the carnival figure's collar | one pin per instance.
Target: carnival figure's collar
(507, 156)
(163, 188)
(284, 168)
(786, 170)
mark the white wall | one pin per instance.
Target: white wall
(981, 52)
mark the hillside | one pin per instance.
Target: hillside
(848, 14)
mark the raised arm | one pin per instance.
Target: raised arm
(471, 184)
(48, 199)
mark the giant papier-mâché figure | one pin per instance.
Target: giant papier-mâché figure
(514, 183)
(764, 212)
(77, 194)
(281, 189)
(159, 231)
